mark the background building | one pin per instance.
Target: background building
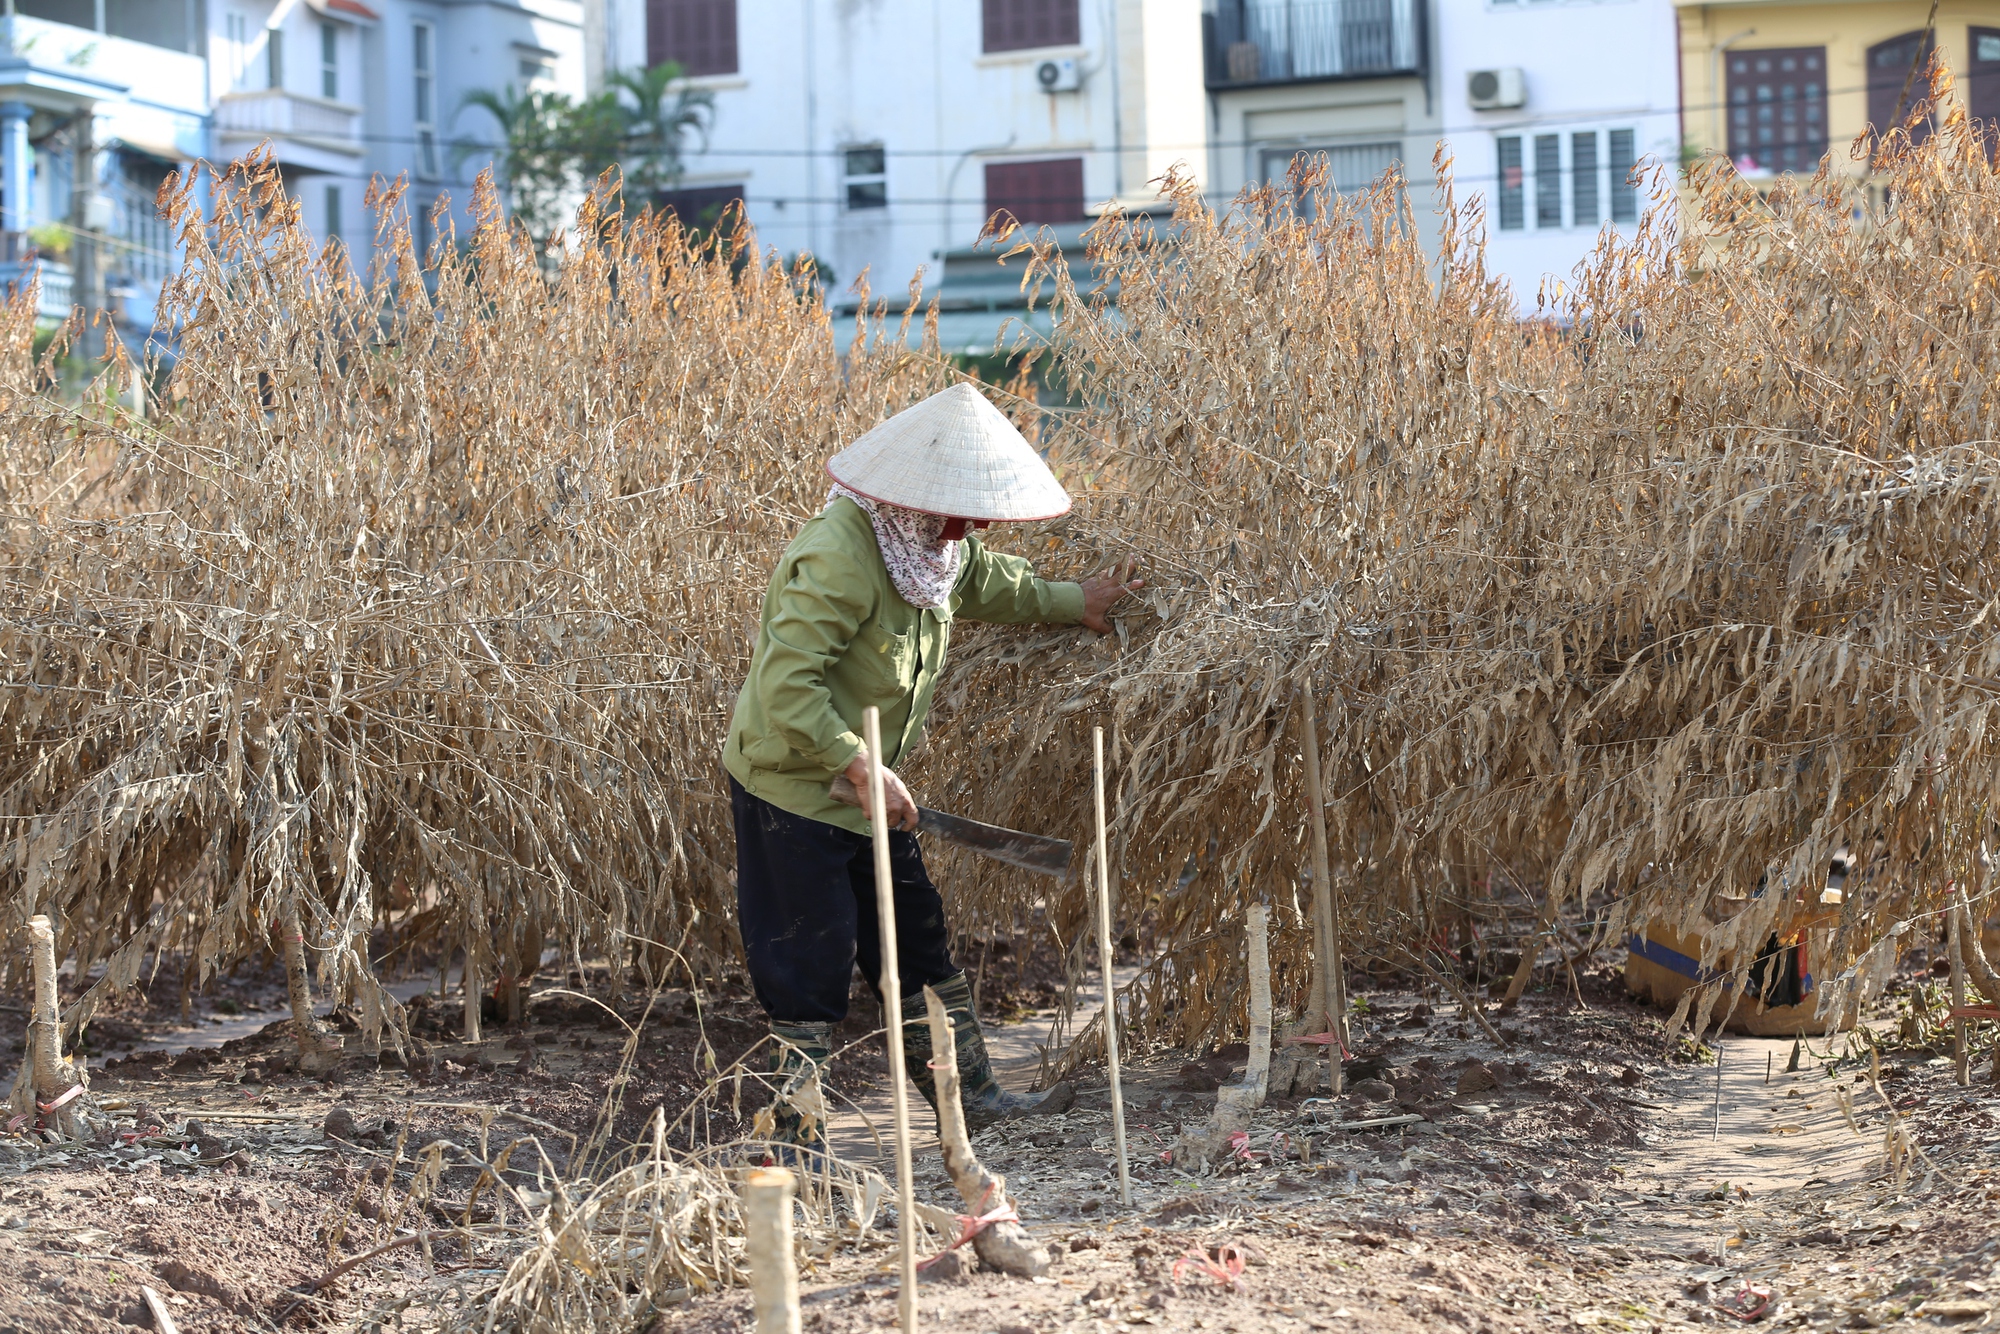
(423, 58)
(1354, 80)
(1547, 105)
(1778, 85)
(100, 99)
(880, 136)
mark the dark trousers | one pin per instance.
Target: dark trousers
(805, 900)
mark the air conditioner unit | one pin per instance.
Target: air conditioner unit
(1496, 89)
(1059, 76)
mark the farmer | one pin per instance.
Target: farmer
(859, 612)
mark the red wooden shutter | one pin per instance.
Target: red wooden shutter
(1022, 25)
(1036, 193)
(698, 35)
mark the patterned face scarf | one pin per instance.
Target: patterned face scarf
(922, 563)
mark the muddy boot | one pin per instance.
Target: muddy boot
(984, 1101)
(798, 1111)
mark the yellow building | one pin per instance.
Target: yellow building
(1777, 85)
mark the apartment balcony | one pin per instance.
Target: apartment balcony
(313, 134)
(1258, 43)
(20, 266)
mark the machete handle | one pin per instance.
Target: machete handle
(843, 791)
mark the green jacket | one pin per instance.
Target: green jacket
(836, 637)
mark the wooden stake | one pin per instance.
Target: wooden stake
(298, 981)
(471, 975)
(891, 986)
(1257, 1071)
(1716, 1133)
(1003, 1245)
(53, 1076)
(1329, 983)
(1955, 939)
(1110, 987)
(163, 1319)
(767, 1227)
(1531, 948)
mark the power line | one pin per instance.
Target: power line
(471, 146)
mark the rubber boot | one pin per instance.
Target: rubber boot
(798, 1111)
(980, 1094)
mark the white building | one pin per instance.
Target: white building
(1351, 80)
(349, 90)
(99, 99)
(1547, 105)
(879, 135)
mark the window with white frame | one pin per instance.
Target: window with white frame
(329, 62)
(1350, 168)
(1511, 184)
(426, 229)
(1624, 195)
(1583, 178)
(274, 57)
(865, 168)
(1580, 179)
(236, 45)
(536, 67)
(423, 72)
(1548, 182)
(333, 213)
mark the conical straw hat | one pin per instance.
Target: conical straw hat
(953, 454)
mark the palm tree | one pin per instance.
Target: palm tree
(535, 161)
(656, 118)
(552, 149)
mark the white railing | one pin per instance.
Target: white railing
(56, 286)
(277, 113)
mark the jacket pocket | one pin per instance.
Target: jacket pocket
(887, 659)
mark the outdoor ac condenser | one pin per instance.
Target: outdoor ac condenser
(1496, 89)
(1059, 76)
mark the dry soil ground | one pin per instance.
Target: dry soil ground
(1591, 1182)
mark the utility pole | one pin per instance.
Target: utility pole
(87, 279)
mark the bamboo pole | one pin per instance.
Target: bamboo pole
(55, 1078)
(767, 1228)
(298, 980)
(471, 979)
(1257, 1071)
(1955, 939)
(1329, 986)
(1110, 987)
(163, 1319)
(1002, 1244)
(891, 986)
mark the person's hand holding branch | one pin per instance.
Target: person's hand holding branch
(1103, 589)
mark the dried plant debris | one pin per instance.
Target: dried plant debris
(414, 604)
(404, 621)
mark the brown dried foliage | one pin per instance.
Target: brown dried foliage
(448, 588)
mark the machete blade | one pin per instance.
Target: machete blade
(1030, 852)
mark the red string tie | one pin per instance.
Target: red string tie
(74, 1092)
(1225, 1267)
(1749, 1302)
(1326, 1039)
(971, 1225)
